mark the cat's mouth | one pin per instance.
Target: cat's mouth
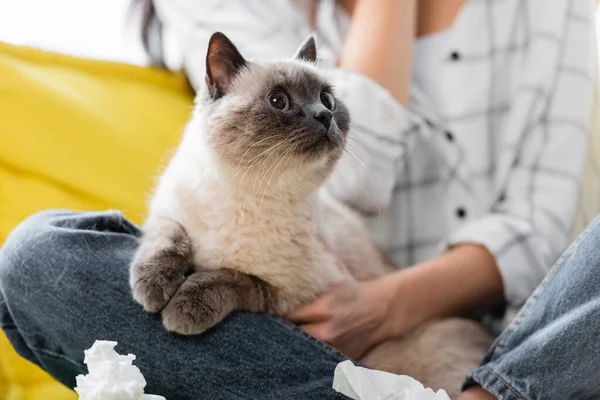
(322, 144)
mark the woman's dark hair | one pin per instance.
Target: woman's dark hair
(151, 35)
(151, 32)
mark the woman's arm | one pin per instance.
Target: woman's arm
(355, 317)
(462, 280)
(379, 44)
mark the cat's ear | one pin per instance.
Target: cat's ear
(223, 62)
(308, 50)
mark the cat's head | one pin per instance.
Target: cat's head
(268, 115)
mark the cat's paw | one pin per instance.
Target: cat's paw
(155, 281)
(199, 304)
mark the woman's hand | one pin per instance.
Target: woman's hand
(350, 316)
(355, 316)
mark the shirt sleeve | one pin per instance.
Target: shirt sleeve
(530, 225)
(274, 29)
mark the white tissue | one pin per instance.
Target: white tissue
(365, 384)
(111, 376)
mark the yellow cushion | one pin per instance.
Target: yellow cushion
(77, 134)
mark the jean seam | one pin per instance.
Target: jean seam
(536, 293)
(55, 355)
(586, 395)
(44, 351)
(505, 383)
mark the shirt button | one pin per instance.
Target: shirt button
(455, 56)
(449, 136)
(502, 197)
(461, 212)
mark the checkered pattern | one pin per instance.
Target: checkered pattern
(497, 161)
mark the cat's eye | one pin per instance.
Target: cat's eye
(327, 100)
(278, 100)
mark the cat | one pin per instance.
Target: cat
(242, 202)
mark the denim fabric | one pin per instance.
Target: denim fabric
(64, 284)
(551, 350)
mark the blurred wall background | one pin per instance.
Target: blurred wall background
(100, 29)
(87, 28)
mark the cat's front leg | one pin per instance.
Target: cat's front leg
(208, 296)
(160, 263)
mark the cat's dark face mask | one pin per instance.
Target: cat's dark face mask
(281, 111)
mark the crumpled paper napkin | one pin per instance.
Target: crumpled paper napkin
(366, 384)
(111, 376)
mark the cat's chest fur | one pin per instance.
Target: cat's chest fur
(243, 235)
(262, 236)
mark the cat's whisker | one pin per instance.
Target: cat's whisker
(258, 172)
(253, 162)
(294, 155)
(267, 165)
(359, 166)
(223, 152)
(288, 151)
(354, 154)
(254, 145)
(358, 162)
(350, 147)
(257, 159)
(355, 151)
(355, 157)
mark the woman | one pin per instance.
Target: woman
(471, 119)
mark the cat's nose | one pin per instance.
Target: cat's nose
(324, 117)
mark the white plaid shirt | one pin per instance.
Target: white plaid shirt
(496, 162)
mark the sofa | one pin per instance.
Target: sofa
(78, 134)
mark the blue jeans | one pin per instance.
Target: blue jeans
(64, 284)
